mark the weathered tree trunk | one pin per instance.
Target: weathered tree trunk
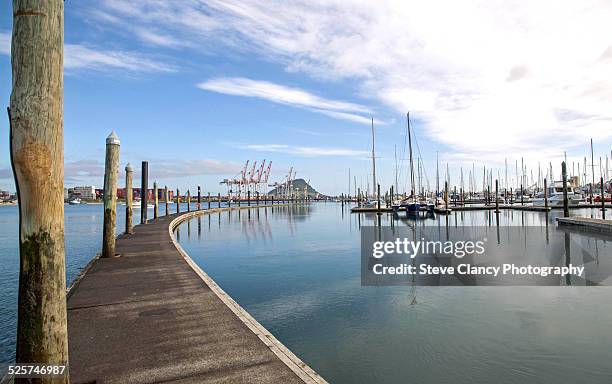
(37, 155)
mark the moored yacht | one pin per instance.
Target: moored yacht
(555, 196)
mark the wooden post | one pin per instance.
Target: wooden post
(199, 197)
(219, 201)
(178, 201)
(545, 195)
(446, 196)
(511, 196)
(111, 166)
(208, 200)
(565, 201)
(603, 199)
(155, 201)
(144, 192)
(248, 198)
(496, 199)
(378, 199)
(167, 200)
(455, 196)
(257, 198)
(188, 201)
(522, 195)
(229, 199)
(129, 196)
(37, 157)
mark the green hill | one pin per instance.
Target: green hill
(298, 188)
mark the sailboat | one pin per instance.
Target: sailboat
(411, 204)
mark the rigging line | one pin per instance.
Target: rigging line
(421, 157)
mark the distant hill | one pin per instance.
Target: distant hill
(298, 188)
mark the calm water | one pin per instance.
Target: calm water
(83, 240)
(297, 271)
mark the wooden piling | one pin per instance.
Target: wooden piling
(248, 198)
(188, 201)
(446, 195)
(496, 198)
(522, 195)
(111, 166)
(378, 211)
(219, 200)
(603, 199)
(37, 156)
(545, 195)
(129, 196)
(144, 191)
(178, 201)
(208, 200)
(565, 201)
(199, 197)
(167, 199)
(155, 201)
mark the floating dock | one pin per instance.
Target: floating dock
(597, 225)
(459, 208)
(152, 316)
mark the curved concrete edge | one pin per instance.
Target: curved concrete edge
(301, 369)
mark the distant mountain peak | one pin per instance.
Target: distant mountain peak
(298, 189)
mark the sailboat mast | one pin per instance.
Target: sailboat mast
(373, 162)
(592, 167)
(395, 153)
(506, 166)
(438, 174)
(349, 185)
(410, 150)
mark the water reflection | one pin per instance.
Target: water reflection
(297, 270)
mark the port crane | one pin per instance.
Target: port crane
(248, 180)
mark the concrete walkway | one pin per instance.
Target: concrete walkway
(150, 317)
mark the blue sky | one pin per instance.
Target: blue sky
(199, 87)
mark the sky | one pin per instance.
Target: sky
(199, 87)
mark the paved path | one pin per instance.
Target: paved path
(150, 317)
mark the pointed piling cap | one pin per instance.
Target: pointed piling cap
(113, 139)
(128, 168)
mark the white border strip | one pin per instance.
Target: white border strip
(301, 369)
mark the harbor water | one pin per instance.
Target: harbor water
(297, 271)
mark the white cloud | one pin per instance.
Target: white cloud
(486, 76)
(78, 56)
(156, 38)
(5, 43)
(240, 86)
(305, 151)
